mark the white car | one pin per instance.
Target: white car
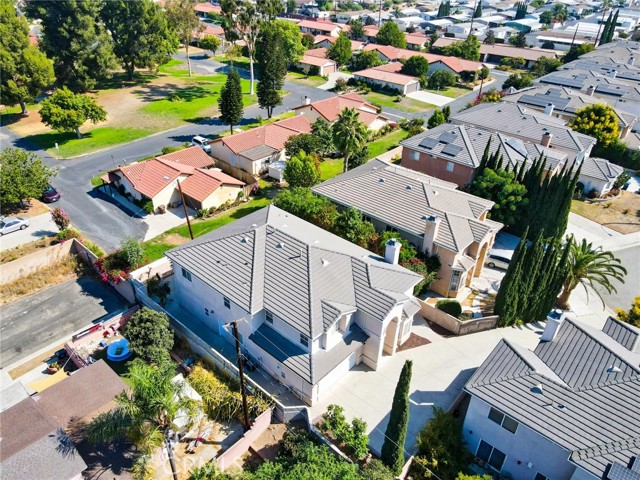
(12, 224)
(497, 260)
(201, 142)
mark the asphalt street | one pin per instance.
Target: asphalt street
(104, 221)
(35, 321)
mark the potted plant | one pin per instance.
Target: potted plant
(53, 367)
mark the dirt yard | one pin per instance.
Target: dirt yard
(621, 214)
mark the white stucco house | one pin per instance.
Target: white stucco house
(312, 305)
(566, 410)
(598, 174)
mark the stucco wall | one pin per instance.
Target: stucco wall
(437, 167)
(454, 325)
(224, 153)
(522, 448)
(33, 262)
(221, 195)
(235, 451)
(168, 194)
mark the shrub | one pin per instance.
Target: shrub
(441, 79)
(149, 336)
(175, 97)
(60, 218)
(131, 252)
(579, 188)
(155, 288)
(68, 234)
(352, 438)
(147, 205)
(167, 150)
(93, 248)
(452, 307)
(341, 85)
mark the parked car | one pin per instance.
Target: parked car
(12, 224)
(201, 142)
(497, 260)
(50, 195)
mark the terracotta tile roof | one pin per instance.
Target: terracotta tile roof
(318, 62)
(206, 7)
(192, 156)
(459, 65)
(331, 108)
(215, 30)
(390, 67)
(415, 38)
(204, 182)
(396, 54)
(274, 135)
(355, 44)
(322, 26)
(390, 77)
(316, 52)
(151, 176)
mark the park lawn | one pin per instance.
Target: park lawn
(386, 143)
(240, 62)
(156, 247)
(308, 80)
(451, 92)
(406, 104)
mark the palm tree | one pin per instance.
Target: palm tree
(146, 415)
(589, 266)
(559, 13)
(349, 134)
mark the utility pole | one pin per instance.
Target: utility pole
(380, 15)
(243, 389)
(169, 447)
(184, 206)
(473, 15)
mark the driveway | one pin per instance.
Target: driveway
(331, 83)
(39, 226)
(432, 98)
(36, 321)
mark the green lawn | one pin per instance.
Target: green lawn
(386, 143)
(155, 248)
(329, 168)
(310, 80)
(406, 104)
(451, 92)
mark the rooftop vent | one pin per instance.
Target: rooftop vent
(166, 178)
(408, 187)
(244, 240)
(614, 369)
(537, 389)
(381, 180)
(253, 225)
(280, 245)
(325, 262)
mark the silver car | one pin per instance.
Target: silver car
(12, 224)
(496, 260)
(201, 142)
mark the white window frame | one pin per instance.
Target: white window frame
(450, 166)
(490, 455)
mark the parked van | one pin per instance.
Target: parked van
(497, 260)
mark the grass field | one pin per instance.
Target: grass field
(451, 92)
(386, 143)
(406, 104)
(308, 80)
(330, 167)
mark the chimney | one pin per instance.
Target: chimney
(392, 251)
(307, 100)
(613, 73)
(591, 90)
(548, 110)
(631, 61)
(546, 139)
(554, 320)
(430, 233)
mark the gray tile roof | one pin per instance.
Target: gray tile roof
(402, 198)
(625, 334)
(583, 79)
(518, 121)
(600, 168)
(584, 408)
(273, 260)
(605, 66)
(472, 142)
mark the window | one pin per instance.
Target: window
(268, 316)
(304, 340)
(540, 476)
(449, 166)
(503, 420)
(206, 312)
(494, 457)
(227, 302)
(186, 274)
(415, 155)
(455, 281)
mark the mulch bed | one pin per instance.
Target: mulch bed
(413, 341)
(443, 332)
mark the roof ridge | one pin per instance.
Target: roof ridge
(468, 144)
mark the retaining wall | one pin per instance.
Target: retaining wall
(258, 427)
(31, 263)
(455, 326)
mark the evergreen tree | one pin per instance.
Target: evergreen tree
(446, 111)
(392, 453)
(478, 12)
(612, 29)
(485, 157)
(230, 100)
(437, 118)
(340, 51)
(273, 68)
(444, 9)
(605, 32)
(390, 34)
(521, 10)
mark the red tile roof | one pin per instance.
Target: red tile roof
(322, 26)
(151, 176)
(355, 45)
(330, 108)
(532, 54)
(316, 52)
(192, 156)
(209, 29)
(416, 38)
(389, 77)
(206, 7)
(315, 61)
(394, 54)
(274, 135)
(204, 182)
(390, 67)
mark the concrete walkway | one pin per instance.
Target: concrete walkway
(331, 83)
(432, 98)
(39, 226)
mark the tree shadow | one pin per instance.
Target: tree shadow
(45, 141)
(121, 80)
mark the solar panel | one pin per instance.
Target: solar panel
(447, 137)
(452, 150)
(429, 143)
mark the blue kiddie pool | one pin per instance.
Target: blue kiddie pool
(118, 351)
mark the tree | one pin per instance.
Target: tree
(60, 218)
(589, 266)
(26, 71)
(390, 34)
(230, 100)
(599, 121)
(546, 17)
(302, 170)
(349, 134)
(22, 175)
(483, 74)
(478, 11)
(503, 188)
(548, 45)
(290, 36)
(140, 34)
(366, 59)
(66, 111)
(76, 40)
(490, 38)
(576, 51)
(210, 42)
(340, 51)
(292, 6)
(350, 225)
(304, 142)
(308, 40)
(468, 49)
(545, 65)
(559, 12)
(446, 111)
(464, 476)
(519, 40)
(149, 335)
(631, 317)
(444, 9)
(392, 453)
(416, 66)
(441, 447)
(146, 413)
(351, 436)
(441, 79)
(521, 10)
(273, 68)
(323, 131)
(184, 21)
(356, 32)
(407, 252)
(518, 81)
(303, 203)
(131, 252)
(436, 118)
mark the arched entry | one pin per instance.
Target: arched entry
(391, 337)
(480, 260)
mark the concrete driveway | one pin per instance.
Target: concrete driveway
(40, 226)
(36, 321)
(432, 98)
(331, 83)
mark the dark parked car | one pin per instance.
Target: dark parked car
(50, 195)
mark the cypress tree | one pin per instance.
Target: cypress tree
(273, 68)
(500, 161)
(605, 32)
(478, 12)
(392, 453)
(485, 158)
(612, 28)
(230, 100)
